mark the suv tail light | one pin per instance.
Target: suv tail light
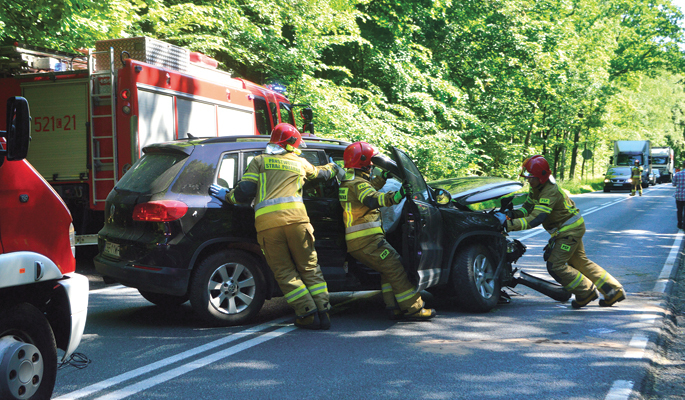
(159, 211)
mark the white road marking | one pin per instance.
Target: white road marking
(193, 365)
(636, 347)
(88, 390)
(621, 390)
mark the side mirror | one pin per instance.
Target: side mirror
(307, 115)
(18, 133)
(443, 197)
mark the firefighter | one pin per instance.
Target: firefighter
(565, 254)
(636, 177)
(283, 230)
(365, 237)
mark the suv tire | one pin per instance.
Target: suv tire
(163, 300)
(227, 288)
(473, 279)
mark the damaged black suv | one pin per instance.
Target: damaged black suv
(167, 237)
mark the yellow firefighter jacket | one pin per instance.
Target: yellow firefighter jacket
(636, 173)
(561, 212)
(360, 201)
(278, 190)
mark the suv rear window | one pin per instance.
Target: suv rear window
(153, 173)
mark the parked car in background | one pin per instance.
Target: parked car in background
(165, 236)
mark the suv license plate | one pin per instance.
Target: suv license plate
(111, 249)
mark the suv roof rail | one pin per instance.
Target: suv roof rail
(261, 138)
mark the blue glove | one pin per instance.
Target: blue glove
(218, 192)
(502, 218)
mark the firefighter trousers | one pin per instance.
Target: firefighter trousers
(380, 256)
(568, 264)
(637, 185)
(289, 251)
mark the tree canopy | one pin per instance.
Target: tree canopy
(467, 87)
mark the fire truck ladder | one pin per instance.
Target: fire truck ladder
(96, 76)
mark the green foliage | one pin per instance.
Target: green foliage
(468, 87)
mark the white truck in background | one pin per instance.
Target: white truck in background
(662, 158)
(625, 154)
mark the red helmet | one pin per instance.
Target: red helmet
(536, 166)
(358, 155)
(286, 134)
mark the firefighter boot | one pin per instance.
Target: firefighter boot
(395, 314)
(325, 320)
(311, 321)
(580, 302)
(612, 297)
(423, 314)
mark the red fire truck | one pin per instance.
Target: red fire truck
(43, 302)
(93, 113)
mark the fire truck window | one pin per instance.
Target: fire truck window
(262, 116)
(227, 171)
(274, 113)
(287, 113)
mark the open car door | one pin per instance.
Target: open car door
(422, 227)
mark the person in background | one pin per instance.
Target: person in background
(679, 183)
(636, 176)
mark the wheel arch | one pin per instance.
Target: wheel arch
(50, 299)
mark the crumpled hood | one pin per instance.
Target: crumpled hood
(474, 189)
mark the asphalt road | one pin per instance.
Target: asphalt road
(532, 348)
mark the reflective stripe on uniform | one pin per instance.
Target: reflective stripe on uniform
(278, 200)
(542, 208)
(369, 228)
(600, 282)
(318, 288)
(570, 223)
(386, 288)
(524, 223)
(365, 193)
(348, 215)
(366, 232)
(360, 227)
(279, 207)
(250, 176)
(296, 294)
(574, 284)
(405, 295)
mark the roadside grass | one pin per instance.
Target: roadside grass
(570, 187)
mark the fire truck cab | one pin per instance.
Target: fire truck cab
(93, 113)
(43, 302)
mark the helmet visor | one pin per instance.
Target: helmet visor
(525, 173)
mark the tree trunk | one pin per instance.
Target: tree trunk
(574, 153)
